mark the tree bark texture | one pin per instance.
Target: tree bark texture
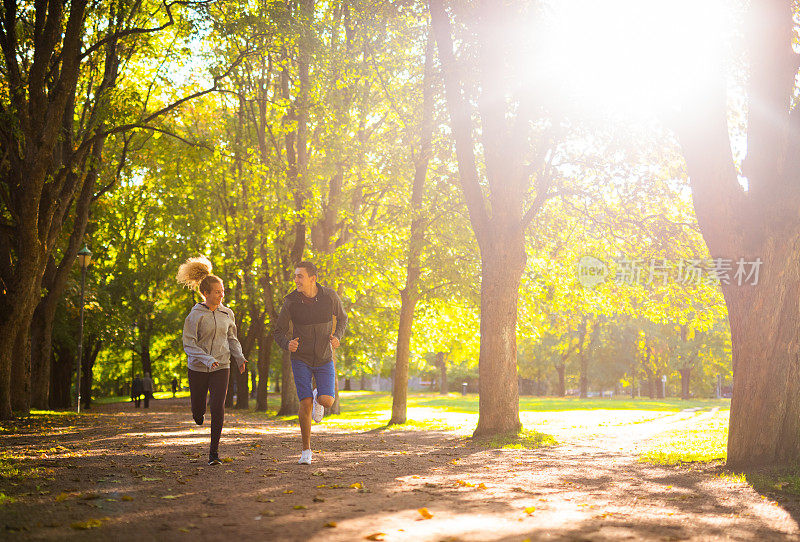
(496, 206)
(410, 292)
(760, 222)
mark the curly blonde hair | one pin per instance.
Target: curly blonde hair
(195, 273)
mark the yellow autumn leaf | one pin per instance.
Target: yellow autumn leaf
(126, 498)
(320, 486)
(357, 485)
(424, 513)
(288, 491)
(227, 460)
(376, 536)
(88, 524)
(300, 507)
(481, 486)
(330, 524)
(529, 510)
(62, 497)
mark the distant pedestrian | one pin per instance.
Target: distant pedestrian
(174, 386)
(137, 388)
(209, 340)
(311, 308)
(147, 387)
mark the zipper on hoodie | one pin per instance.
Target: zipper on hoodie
(214, 336)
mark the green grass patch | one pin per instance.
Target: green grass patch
(528, 439)
(702, 440)
(784, 481)
(127, 398)
(5, 499)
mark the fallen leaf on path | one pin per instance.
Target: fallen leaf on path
(263, 498)
(288, 491)
(357, 485)
(330, 524)
(462, 483)
(170, 496)
(529, 510)
(126, 498)
(318, 473)
(184, 529)
(300, 507)
(88, 524)
(317, 498)
(481, 486)
(376, 536)
(227, 460)
(62, 497)
(424, 513)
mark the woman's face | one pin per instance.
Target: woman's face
(215, 296)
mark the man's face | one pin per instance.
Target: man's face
(216, 295)
(304, 283)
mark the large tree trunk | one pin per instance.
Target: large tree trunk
(497, 198)
(502, 267)
(21, 370)
(289, 403)
(765, 411)
(760, 222)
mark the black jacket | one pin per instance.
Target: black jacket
(313, 324)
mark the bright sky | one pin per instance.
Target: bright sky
(634, 55)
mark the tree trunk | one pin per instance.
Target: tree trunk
(41, 356)
(264, 359)
(765, 411)
(757, 224)
(408, 296)
(502, 265)
(21, 371)
(686, 373)
(561, 369)
(61, 376)
(242, 387)
(289, 403)
(584, 359)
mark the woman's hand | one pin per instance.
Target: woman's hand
(242, 367)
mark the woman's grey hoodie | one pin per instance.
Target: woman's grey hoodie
(210, 336)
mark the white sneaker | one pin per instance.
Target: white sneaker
(318, 411)
(305, 457)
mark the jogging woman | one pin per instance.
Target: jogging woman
(209, 340)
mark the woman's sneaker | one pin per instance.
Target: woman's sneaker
(213, 459)
(318, 411)
(305, 457)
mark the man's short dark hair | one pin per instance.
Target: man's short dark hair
(310, 268)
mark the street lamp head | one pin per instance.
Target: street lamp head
(84, 256)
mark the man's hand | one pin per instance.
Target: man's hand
(293, 344)
(243, 367)
(334, 342)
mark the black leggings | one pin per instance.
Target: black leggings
(199, 385)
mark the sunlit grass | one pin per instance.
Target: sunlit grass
(702, 440)
(525, 439)
(5, 499)
(127, 398)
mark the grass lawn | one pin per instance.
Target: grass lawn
(702, 440)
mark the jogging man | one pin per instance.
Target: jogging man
(311, 308)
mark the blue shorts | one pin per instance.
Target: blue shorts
(326, 379)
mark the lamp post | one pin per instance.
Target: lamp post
(84, 258)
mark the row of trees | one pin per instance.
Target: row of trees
(446, 198)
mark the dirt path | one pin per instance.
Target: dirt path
(144, 476)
